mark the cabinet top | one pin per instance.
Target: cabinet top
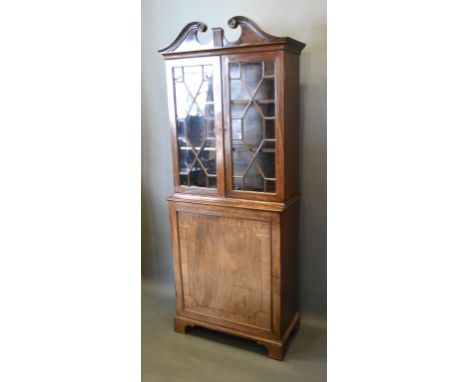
(251, 35)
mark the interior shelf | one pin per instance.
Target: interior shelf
(198, 148)
(243, 149)
(246, 101)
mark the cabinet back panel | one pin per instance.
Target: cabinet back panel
(226, 267)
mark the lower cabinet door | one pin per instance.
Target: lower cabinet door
(225, 264)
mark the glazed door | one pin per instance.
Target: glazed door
(251, 124)
(226, 262)
(194, 90)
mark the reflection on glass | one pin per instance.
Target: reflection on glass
(238, 91)
(234, 71)
(208, 163)
(186, 158)
(178, 75)
(238, 109)
(193, 87)
(198, 177)
(236, 126)
(181, 133)
(253, 121)
(210, 127)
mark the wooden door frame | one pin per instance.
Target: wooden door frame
(278, 57)
(215, 61)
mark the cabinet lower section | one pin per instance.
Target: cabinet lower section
(235, 270)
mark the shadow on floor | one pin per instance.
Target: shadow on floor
(226, 339)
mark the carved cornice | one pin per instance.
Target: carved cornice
(251, 34)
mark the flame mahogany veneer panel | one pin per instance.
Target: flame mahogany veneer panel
(226, 267)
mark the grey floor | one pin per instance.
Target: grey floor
(207, 356)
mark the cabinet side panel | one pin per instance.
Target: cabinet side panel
(172, 119)
(176, 257)
(289, 255)
(291, 124)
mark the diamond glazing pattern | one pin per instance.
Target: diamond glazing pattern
(252, 101)
(193, 87)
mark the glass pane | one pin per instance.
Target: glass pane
(209, 110)
(269, 128)
(183, 100)
(251, 74)
(252, 92)
(239, 91)
(210, 144)
(253, 180)
(238, 109)
(208, 73)
(193, 87)
(195, 130)
(212, 182)
(208, 159)
(186, 158)
(238, 183)
(236, 126)
(266, 162)
(270, 186)
(267, 109)
(184, 180)
(240, 160)
(268, 69)
(178, 74)
(266, 90)
(268, 146)
(253, 127)
(193, 78)
(210, 127)
(181, 128)
(198, 177)
(234, 71)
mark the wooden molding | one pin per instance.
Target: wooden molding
(251, 34)
(231, 202)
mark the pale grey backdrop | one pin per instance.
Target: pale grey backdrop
(304, 20)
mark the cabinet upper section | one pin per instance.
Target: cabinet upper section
(251, 36)
(234, 113)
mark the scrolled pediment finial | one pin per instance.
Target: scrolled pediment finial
(188, 36)
(233, 23)
(251, 33)
(201, 27)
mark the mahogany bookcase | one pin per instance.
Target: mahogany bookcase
(234, 109)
